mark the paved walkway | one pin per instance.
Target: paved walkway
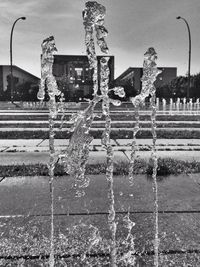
(32, 151)
(31, 194)
(24, 198)
(118, 144)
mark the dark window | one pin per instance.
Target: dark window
(58, 70)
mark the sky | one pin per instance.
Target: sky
(133, 26)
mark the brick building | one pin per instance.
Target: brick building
(25, 84)
(74, 77)
(131, 78)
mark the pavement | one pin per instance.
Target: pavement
(25, 213)
(21, 196)
(27, 151)
(32, 151)
(31, 194)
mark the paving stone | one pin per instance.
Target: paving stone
(19, 142)
(180, 155)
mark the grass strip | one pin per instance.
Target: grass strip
(166, 166)
(97, 134)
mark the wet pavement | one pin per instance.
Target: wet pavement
(28, 199)
(25, 207)
(30, 195)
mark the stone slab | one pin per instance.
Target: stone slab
(19, 142)
(179, 155)
(160, 141)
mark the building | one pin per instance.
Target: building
(131, 79)
(25, 86)
(74, 77)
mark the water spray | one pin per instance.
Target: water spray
(48, 81)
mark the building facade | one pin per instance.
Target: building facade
(74, 77)
(25, 84)
(131, 79)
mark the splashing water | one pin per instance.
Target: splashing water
(150, 73)
(134, 145)
(128, 258)
(137, 101)
(61, 108)
(47, 78)
(76, 156)
(83, 238)
(93, 16)
(109, 151)
(151, 56)
(119, 91)
(93, 20)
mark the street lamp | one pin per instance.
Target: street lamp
(11, 66)
(189, 60)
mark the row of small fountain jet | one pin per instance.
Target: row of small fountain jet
(180, 104)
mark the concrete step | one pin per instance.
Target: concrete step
(115, 116)
(57, 129)
(40, 145)
(99, 124)
(97, 142)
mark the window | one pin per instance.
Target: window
(79, 73)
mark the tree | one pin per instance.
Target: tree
(195, 86)
(178, 87)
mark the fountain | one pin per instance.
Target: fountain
(150, 73)
(120, 252)
(78, 149)
(197, 104)
(157, 103)
(178, 104)
(47, 78)
(75, 158)
(164, 104)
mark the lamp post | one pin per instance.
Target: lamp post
(11, 66)
(189, 60)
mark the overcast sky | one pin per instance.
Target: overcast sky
(133, 25)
